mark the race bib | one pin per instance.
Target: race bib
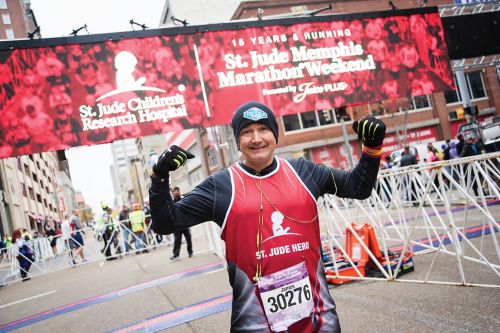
(286, 296)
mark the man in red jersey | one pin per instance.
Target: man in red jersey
(266, 207)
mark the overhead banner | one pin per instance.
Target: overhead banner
(83, 92)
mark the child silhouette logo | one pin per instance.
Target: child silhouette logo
(278, 230)
(125, 65)
(277, 219)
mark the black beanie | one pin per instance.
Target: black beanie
(253, 112)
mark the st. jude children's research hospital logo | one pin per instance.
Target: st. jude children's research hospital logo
(135, 109)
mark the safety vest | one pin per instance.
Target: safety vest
(137, 218)
(103, 220)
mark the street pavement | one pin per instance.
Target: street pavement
(193, 295)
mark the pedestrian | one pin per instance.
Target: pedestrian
(77, 236)
(3, 248)
(109, 234)
(123, 219)
(178, 234)
(67, 232)
(23, 252)
(384, 187)
(408, 159)
(267, 209)
(468, 150)
(453, 150)
(460, 144)
(51, 237)
(445, 147)
(138, 222)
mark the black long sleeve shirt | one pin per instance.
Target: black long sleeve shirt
(210, 200)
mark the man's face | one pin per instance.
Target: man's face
(176, 193)
(257, 144)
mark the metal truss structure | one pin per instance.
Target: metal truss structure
(445, 215)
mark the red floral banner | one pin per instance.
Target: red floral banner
(63, 96)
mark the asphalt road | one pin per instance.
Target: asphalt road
(193, 295)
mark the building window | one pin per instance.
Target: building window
(23, 188)
(19, 166)
(326, 117)
(453, 96)
(3, 4)
(212, 157)
(341, 113)
(291, 122)
(419, 102)
(34, 177)
(32, 193)
(26, 169)
(9, 33)
(309, 119)
(6, 19)
(45, 203)
(294, 122)
(475, 86)
(39, 198)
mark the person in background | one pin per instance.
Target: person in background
(138, 223)
(178, 235)
(77, 236)
(263, 204)
(460, 144)
(67, 232)
(445, 147)
(385, 183)
(109, 235)
(23, 252)
(470, 149)
(51, 237)
(123, 219)
(453, 150)
(408, 159)
(3, 248)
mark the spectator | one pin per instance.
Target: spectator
(445, 147)
(453, 150)
(67, 232)
(138, 223)
(23, 252)
(123, 219)
(77, 237)
(178, 234)
(460, 144)
(408, 184)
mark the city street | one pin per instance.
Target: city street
(149, 293)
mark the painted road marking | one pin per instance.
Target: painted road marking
(108, 296)
(179, 316)
(27, 299)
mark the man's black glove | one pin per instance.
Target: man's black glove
(171, 159)
(371, 131)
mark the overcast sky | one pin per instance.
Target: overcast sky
(89, 166)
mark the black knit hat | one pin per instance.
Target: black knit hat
(253, 112)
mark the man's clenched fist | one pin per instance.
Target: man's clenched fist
(171, 159)
(371, 131)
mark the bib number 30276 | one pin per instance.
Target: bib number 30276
(286, 296)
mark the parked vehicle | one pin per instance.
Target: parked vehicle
(488, 132)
